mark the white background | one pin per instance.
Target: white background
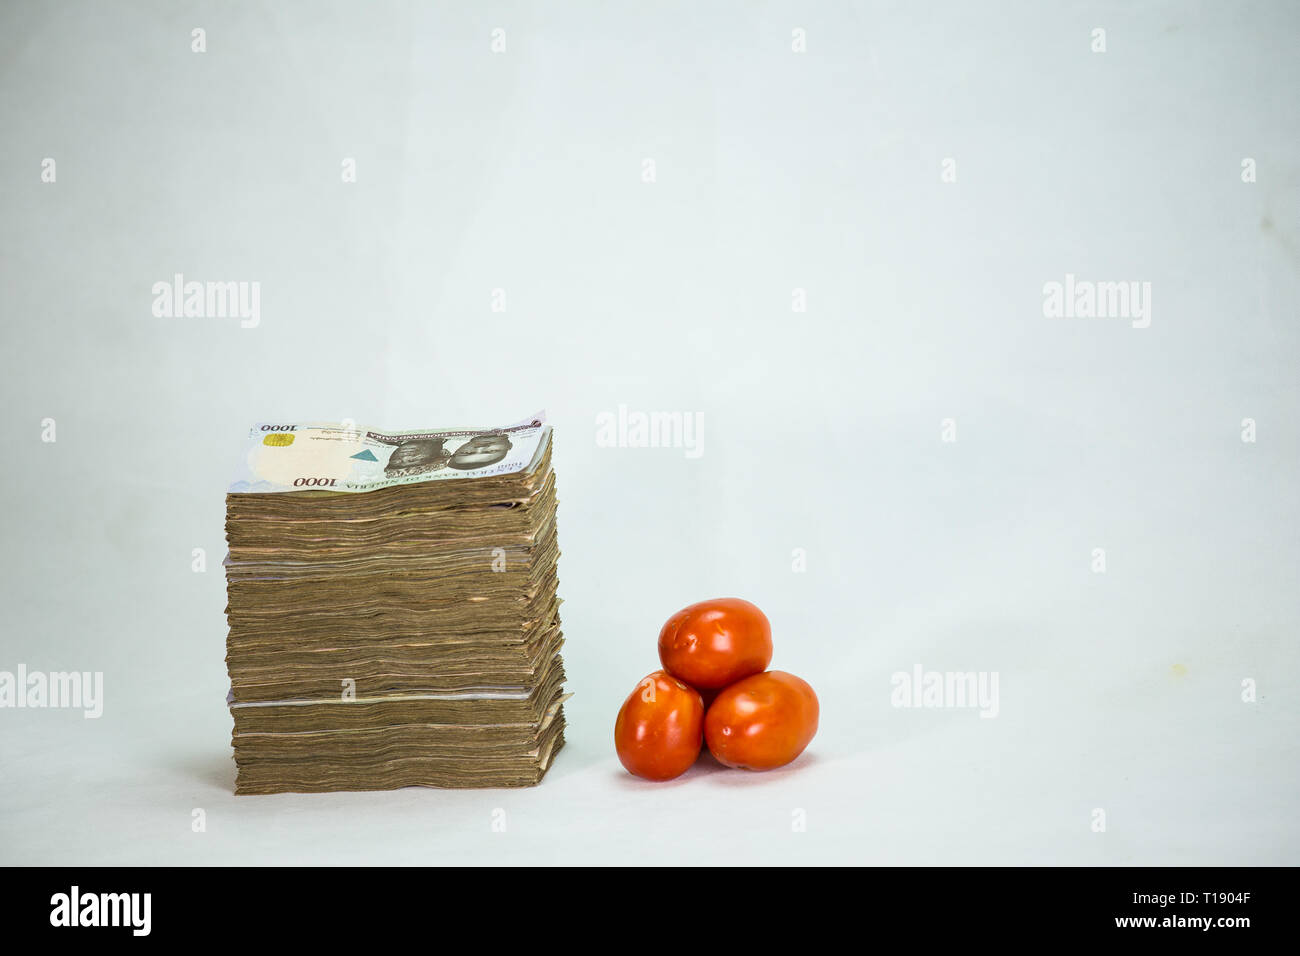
(522, 170)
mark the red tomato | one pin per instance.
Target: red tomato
(660, 728)
(762, 722)
(715, 643)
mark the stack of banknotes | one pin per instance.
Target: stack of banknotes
(392, 608)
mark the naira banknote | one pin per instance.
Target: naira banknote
(282, 457)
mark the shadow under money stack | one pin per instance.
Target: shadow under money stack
(393, 611)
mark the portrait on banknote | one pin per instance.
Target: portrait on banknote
(481, 451)
(417, 456)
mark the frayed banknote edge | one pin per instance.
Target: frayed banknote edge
(483, 694)
(552, 711)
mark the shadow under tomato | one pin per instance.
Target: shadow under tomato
(734, 777)
(708, 767)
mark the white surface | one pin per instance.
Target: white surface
(775, 170)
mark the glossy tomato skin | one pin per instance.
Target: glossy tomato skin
(660, 728)
(716, 643)
(762, 722)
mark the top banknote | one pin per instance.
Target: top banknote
(284, 457)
